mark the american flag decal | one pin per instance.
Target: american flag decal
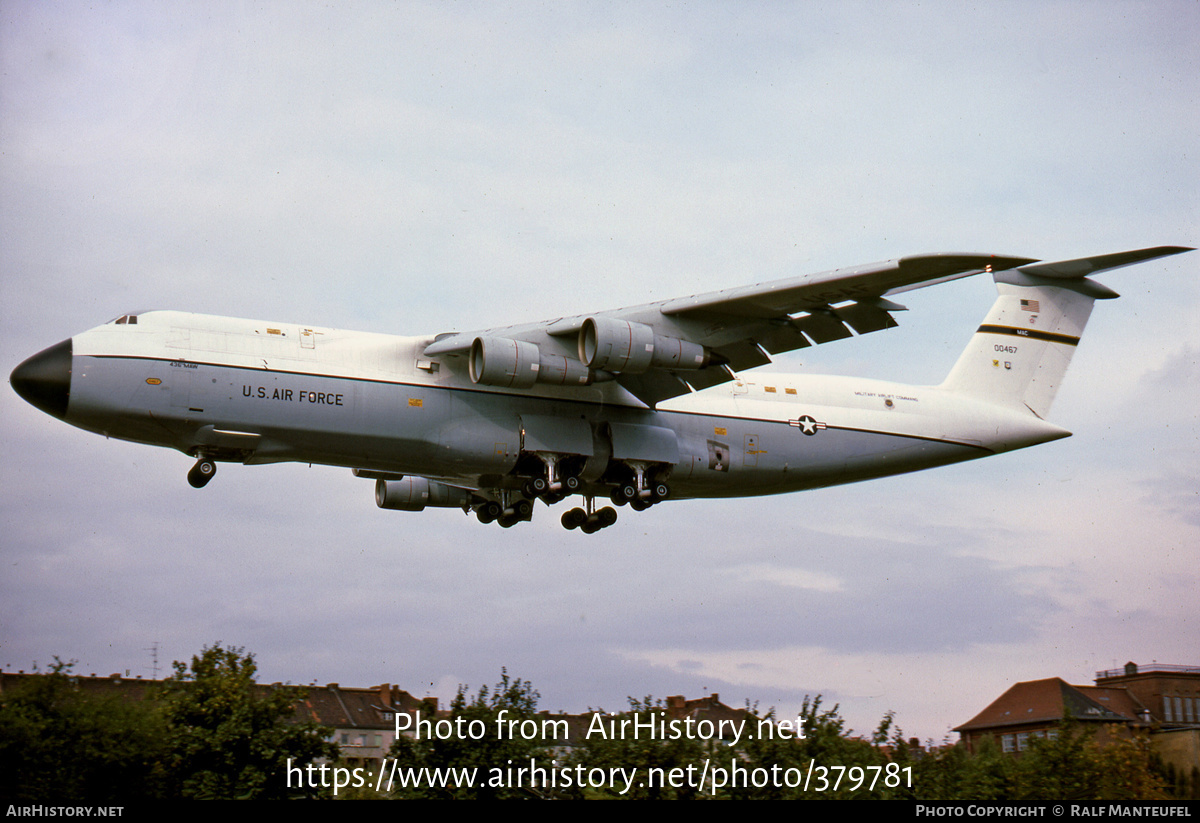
(1030, 305)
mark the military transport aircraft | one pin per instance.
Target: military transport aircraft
(635, 405)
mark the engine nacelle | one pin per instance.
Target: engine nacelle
(518, 364)
(622, 346)
(559, 370)
(499, 361)
(412, 494)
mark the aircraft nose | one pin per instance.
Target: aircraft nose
(44, 380)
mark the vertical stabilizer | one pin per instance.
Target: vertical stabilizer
(1019, 355)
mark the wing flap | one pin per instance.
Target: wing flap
(866, 317)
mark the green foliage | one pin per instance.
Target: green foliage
(230, 738)
(1069, 766)
(477, 745)
(835, 765)
(950, 774)
(210, 733)
(59, 743)
(649, 756)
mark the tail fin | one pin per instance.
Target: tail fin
(1018, 357)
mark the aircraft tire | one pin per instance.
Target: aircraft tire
(661, 492)
(201, 473)
(573, 518)
(640, 505)
(571, 483)
(606, 517)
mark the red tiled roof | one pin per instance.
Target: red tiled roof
(1048, 701)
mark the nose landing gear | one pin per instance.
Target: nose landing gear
(201, 473)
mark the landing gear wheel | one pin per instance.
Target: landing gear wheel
(574, 518)
(522, 510)
(201, 473)
(489, 512)
(571, 484)
(660, 492)
(640, 505)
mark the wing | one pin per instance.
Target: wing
(665, 349)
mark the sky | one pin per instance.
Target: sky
(416, 168)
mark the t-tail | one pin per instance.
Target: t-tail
(1019, 355)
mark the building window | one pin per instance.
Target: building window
(1008, 743)
(1022, 741)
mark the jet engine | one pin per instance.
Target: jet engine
(518, 364)
(623, 346)
(412, 494)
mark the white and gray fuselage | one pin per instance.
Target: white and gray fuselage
(258, 392)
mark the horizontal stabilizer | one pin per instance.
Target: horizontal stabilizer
(1084, 266)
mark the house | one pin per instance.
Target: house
(363, 720)
(1171, 694)
(1158, 700)
(1036, 707)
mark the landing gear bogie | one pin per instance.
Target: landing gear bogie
(579, 518)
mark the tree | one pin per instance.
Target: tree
(652, 757)
(1066, 766)
(479, 747)
(58, 743)
(842, 767)
(231, 739)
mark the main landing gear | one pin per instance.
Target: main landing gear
(553, 484)
(589, 521)
(202, 472)
(638, 491)
(508, 513)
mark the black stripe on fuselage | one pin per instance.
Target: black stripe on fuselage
(1031, 334)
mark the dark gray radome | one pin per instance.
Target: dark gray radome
(44, 380)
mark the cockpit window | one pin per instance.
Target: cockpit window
(126, 319)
